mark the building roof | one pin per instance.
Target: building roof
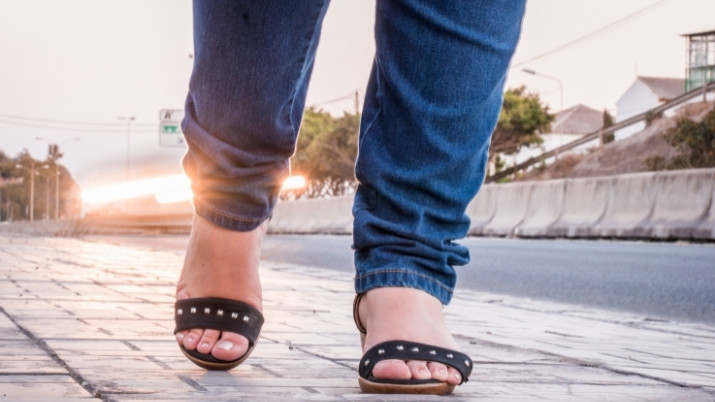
(579, 119)
(664, 88)
(699, 33)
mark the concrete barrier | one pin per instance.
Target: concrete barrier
(512, 205)
(585, 203)
(663, 205)
(705, 230)
(629, 208)
(481, 210)
(543, 210)
(322, 215)
(683, 201)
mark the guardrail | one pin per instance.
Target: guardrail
(600, 134)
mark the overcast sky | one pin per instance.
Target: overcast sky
(67, 66)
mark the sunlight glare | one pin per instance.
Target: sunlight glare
(134, 189)
(171, 197)
(294, 183)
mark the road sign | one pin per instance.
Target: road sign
(170, 134)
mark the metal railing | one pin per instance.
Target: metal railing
(600, 134)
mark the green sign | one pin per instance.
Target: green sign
(170, 129)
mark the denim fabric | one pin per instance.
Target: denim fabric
(252, 64)
(432, 102)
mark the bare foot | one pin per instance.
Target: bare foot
(411, 315)
(220, 263)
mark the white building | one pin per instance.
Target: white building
(645, 93)
(568, 125)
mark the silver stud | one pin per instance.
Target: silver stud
(367, 362)
(219, 313)
(193, 310)
(234, 315)
(415, 349)
(466, 363)
(449, 355)
(207, 310)
(380, 351)
(400, 347)
(245, 318)
(433, 352)
(180, 311)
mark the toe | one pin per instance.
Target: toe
(419, 370)
(208, 340)
(191, 339)
(180, 336)
(230, 346)
(438, 371)
(392, 370)
(454, 377)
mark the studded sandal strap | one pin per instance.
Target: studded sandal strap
(403, 350)
(220, 314)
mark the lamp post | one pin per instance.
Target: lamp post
(47, 191)
(57, 174)
(129, 120)
(561, 85)
(31, 169)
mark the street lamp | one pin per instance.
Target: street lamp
(561, 86)
(57, 174)
(47, 191)
(129, 120)
(31, 169)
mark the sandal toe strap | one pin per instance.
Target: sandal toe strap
(219, 314)
(404, 350)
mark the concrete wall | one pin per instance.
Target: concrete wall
(652, 205)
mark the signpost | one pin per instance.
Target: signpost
(170, 134)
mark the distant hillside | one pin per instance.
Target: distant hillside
(624, 156)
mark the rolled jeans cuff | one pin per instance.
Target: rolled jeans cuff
(404, 278)
(223, 220)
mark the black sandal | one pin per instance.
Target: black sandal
(219, 314)
(406, 350)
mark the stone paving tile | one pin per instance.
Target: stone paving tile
(41, 388)
(82, 320)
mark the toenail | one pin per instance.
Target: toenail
(179, 337)
(205, 345)
(225, 345)
(190, 339)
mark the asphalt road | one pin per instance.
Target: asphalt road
(669, 281)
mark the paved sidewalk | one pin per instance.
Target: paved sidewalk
(82, 320)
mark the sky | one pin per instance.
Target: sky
(73, 72)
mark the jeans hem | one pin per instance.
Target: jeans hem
(405, 278)
(223, 220)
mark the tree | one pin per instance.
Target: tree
(15, 197)
(326, 152)
(521, 120)
(53, 153)
(695, 143)
(608, 122)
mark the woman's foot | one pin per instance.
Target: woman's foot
(220, 263)
(410, 315)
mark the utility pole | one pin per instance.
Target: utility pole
(129, 120)
(31, 169)
(57, 172)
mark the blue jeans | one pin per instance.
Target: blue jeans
(432, 101)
